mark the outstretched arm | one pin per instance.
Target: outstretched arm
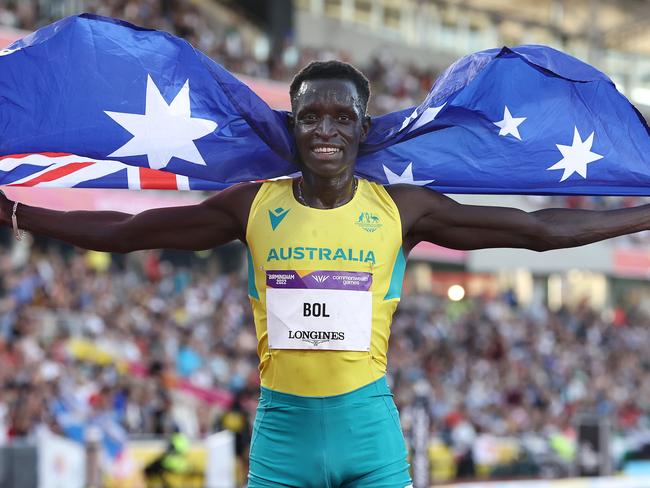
(217, 220)
(431, 216)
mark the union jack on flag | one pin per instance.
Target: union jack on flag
(67, 170)
(96, 102)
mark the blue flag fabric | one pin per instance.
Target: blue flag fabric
(96, 102)
(90, 88)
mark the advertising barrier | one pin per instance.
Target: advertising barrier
(610, 482)
(220, 468)
(139, 454)
(51, 461)
(210, 464)
(61, 462)
(18, 465)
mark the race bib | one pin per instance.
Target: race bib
(324, 310)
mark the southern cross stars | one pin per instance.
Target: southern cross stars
(509, 124)
(406, 177)
(407, 120)
(164, 131)
(427, 116)
(577, 156)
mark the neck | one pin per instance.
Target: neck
(318, 192)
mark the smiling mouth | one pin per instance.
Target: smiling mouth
(326, 151)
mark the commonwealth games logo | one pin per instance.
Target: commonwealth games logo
(320, 278)
(368, 221)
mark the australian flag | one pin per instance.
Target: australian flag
(96, 102)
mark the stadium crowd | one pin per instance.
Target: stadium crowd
(395, 85)
(161, 346)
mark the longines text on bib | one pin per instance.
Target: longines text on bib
(323, 310)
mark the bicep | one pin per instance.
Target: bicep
(448, 223)
(192, 227)
(471, 238)
(217, 220)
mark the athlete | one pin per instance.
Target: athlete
(326, 256)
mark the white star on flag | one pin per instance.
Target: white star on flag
(406, 177)
(577, 156)
(408, 119)
(164, 131)
(427, 116)
(7, 51)
(509, 124)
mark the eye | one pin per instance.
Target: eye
(308, 118)
(344, 118)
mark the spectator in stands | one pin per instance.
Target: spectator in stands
(172, 461)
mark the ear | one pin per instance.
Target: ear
(365, 127)
(291, 122)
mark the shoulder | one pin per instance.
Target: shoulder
(236, 196)
(235, 201)
(416, 202)
(411, 198)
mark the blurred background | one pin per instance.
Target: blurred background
(505, 364)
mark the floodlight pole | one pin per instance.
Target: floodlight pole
(593, 32)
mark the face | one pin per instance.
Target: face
(328, 125)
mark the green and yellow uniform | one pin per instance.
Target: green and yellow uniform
(324, 284)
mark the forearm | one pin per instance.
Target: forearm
(471, 227)
(190, 227)
(219, 219)
(562, 228)
(99, 231)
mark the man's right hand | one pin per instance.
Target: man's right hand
(5, 209)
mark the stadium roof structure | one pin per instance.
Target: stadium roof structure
(610, 24)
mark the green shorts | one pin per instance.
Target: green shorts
(352, 440)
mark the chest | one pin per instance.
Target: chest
(307, 235)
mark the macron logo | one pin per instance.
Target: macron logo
(276, 216)
(320, 278)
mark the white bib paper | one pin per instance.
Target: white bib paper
(322, 310)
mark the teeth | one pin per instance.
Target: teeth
(326, 150)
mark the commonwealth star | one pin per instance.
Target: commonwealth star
(164, 131)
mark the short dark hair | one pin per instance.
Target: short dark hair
(328, 70)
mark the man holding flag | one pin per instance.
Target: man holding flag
(326, 255)
(327, 250)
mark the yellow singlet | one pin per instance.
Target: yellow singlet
(323, 285)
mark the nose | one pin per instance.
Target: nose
(326, 128)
